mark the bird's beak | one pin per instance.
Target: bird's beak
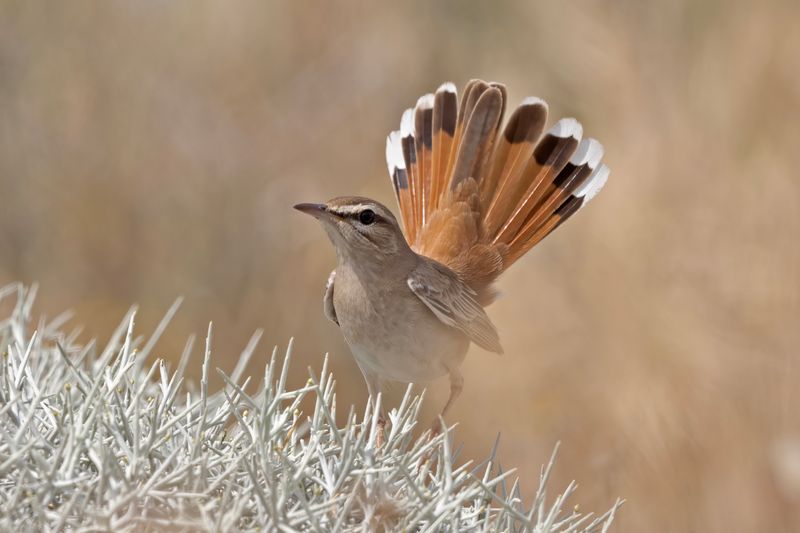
(315, 210)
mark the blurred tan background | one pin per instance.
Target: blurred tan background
(153, 149)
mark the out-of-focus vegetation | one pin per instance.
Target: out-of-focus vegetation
(153, 149)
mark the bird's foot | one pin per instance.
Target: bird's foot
(381, 431)
(437, 427)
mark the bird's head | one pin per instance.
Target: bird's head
(361, 229)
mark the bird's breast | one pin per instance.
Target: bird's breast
(391, 332)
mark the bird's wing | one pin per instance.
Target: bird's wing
(454, 303)
(327, 300)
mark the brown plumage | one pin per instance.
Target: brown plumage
(474, 197)
(479, 196)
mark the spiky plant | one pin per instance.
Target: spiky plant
(97, 440)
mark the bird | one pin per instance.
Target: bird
(475, 194)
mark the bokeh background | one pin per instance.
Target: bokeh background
(153, 149)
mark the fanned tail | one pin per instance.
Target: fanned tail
(477, 200)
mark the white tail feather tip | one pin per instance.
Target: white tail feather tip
(425, 101)
(593, 185)
(589, 152)
(407, 123)
(394, 152)
(567, 127)
(447, 87)
(533, 100)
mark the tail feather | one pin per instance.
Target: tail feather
(478, 136)
(445, 114)
(410, 156)
(569, 207)
(504, 184)
(423, 140)
(472, 90)
(477, 199)
(399, 176)
(504, 94)
(575, 173)
(549, 157)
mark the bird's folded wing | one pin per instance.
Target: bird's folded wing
(327, 300)
(454, 303)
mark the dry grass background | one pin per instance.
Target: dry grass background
(153, 149)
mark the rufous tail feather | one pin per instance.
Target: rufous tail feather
(477, 197)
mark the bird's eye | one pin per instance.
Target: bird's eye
(366, 217)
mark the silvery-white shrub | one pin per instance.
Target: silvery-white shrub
(108, 440)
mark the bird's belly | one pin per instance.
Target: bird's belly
(407, 344)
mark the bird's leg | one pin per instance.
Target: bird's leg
(374, 386)
(381, 423)
(380, 437)
(456, 385)
(438, 425)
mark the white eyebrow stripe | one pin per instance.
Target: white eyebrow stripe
(345, 210)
